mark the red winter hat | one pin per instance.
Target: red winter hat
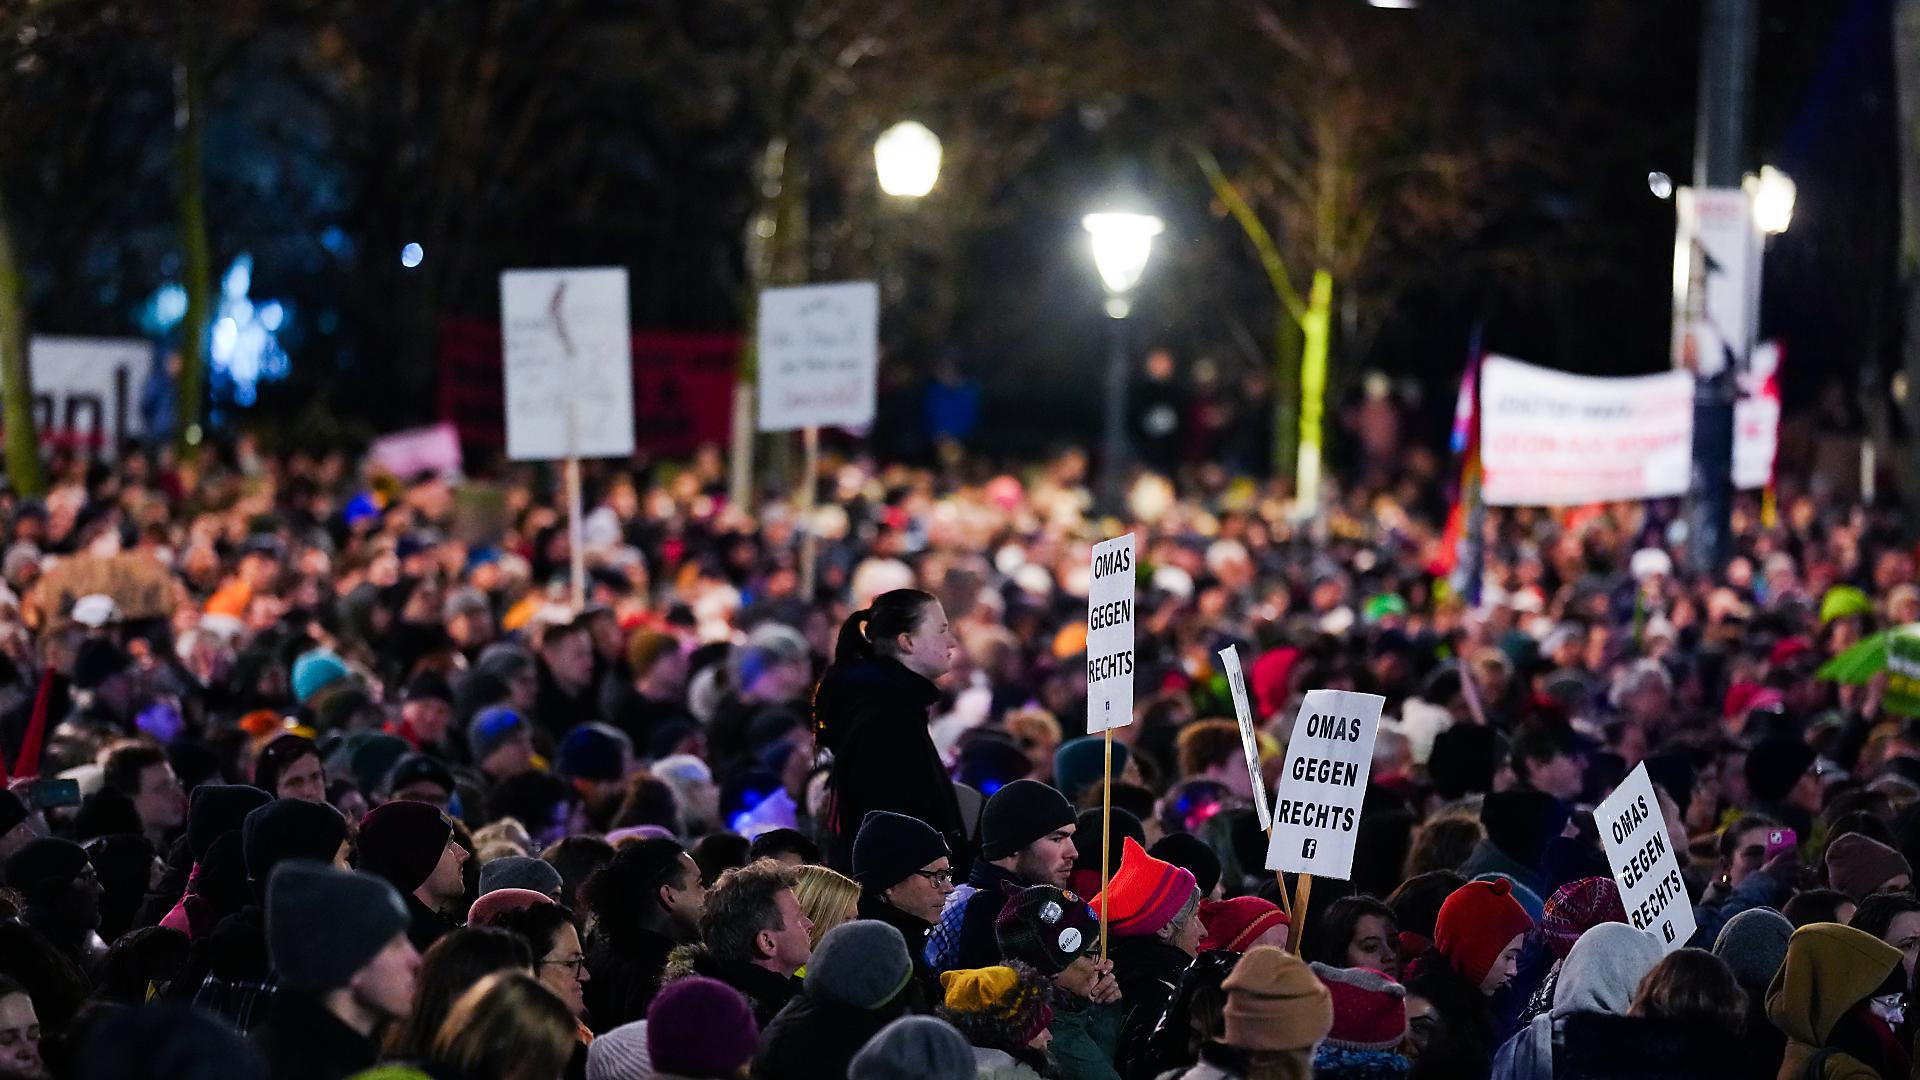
(1476, 923)
(1578, 907)
(1369, 1008)
(486, 910)
(1146, 895)
(1234, 925)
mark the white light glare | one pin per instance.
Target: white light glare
(411, 255)
(1773, 195)
(1660, 184)
(1122, 243)
(907, 158)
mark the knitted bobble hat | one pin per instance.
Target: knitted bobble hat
(1577, 907)
(1369, 1008)
(1234, 925)
(1476, 923)
(1146, 895)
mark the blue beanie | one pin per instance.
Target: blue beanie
(490, 729)
(1077, 764)
(593, 751)
(314, 671)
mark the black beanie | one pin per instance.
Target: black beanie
(1046, 927)
(290, 829)
(403, 841)
(46, 865)
(1192, 854)
(97, 661)
(107, 812)
(889, 847)
(218, 809)
(323, 924)
(1522, 823)
(1774, 766)
(1087, 830)
(1019, 814)
(1463, 760)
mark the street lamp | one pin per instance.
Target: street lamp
(1773, 194)
(1122, 244)
(907, 157)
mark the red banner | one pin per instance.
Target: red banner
(682, 387)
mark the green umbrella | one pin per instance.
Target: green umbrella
(1896, 651)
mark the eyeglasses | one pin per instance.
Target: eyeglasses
(938, 877)
(577, 964)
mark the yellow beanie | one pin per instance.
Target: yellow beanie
(979, 989)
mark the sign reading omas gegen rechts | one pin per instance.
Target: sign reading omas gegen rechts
(1110, 635)
(1634, 832)
(1316, 805)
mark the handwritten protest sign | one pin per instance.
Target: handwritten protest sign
(568, 362)
(1110, 636)
(1634, 832)
(1316, 808)
(819, 352)
(1249, 742)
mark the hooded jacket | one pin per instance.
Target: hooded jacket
(1830, 969)
(1599, 976)
(873, 715)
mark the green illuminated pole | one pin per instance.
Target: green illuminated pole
(16, 386)
(190, 98)
(1314, 329)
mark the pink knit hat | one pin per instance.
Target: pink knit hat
(1146, 895)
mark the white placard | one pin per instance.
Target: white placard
(1548, 438)
(1756, 419)
(819, 354)
(568, 353)
(1249, 742)
(87, 392)
(1716, 278)
(1316, 806)
(1634, 832)
(1110, 635)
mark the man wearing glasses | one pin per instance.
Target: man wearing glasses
(905, 873)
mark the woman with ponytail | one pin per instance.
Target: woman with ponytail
(871, 710)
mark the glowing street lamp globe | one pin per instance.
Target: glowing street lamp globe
(907, 157)
(1774, 193)
(1122, 244)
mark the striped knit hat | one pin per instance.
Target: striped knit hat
(1578, 907)
(1147, 895)
(1369, 1008)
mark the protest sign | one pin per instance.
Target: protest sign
(569, 384)
(819, 352)
(87, 391)
(1249, 743)
(1552, 439)
(1316, 807)
(1756, 419)
(1110, 636)
(407, 454)
(1717, 254)
(1634, 832)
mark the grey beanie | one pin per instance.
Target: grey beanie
(520, 872)
(1754, 945)
(621, 1054)
(863, 963)
(324, 924)
(920, 1047)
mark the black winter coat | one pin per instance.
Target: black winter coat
(873, 716)
(1595, 1046)
(1148, 971)
(626, 976)
(304, 1041)
(816, 1039)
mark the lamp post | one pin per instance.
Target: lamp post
(1122, 244)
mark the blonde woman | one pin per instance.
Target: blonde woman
(828, 898)
(507, 1027)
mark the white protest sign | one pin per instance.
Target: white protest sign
(1756, 419)
(819, 355)
(568, 359)
(1243, 712)
(88, 392)
(1717, 254)
(1634, 832)
(1110, 636)
(1316, 807)
(1548, 438)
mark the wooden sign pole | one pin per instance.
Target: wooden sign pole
(1106, 839)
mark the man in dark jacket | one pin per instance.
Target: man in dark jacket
(857, 983)
(1026, 838)
(411, 845)
(873, 716)
(646, 902)
(753, 937)
(339, 947)
(905, 877)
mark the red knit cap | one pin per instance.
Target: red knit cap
(1369, 1008)
(1234, 925)
(1475, 923)
(501, 902)
(1578, 907)
(1146, 894)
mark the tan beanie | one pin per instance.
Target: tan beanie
(1859, 865)
(1275, 1002)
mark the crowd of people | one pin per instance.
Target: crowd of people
(322, 773)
